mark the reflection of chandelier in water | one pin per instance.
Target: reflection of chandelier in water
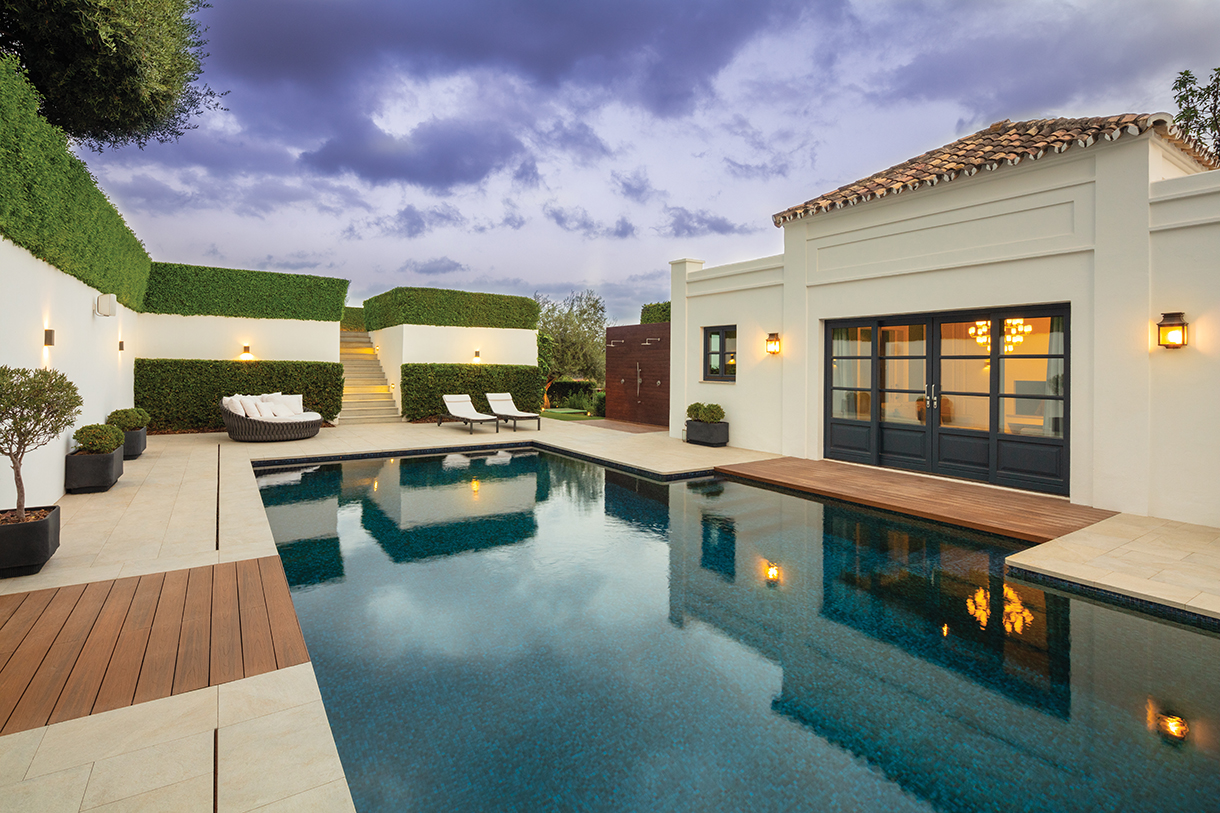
(1014, 333)
(1016, 616)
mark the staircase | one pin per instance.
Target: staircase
(366, 394)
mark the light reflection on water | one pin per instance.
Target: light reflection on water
(566, 638)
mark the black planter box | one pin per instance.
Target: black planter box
(134, 443)
(87, 473)
(26, 547)
(707, 434)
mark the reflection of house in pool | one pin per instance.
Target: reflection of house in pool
(302, 508)
(450, 505)
(906, 646)
(638, 502)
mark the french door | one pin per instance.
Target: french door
(982, 395)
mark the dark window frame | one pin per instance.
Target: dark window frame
(719, 330)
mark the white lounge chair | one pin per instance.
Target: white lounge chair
(502, 407)
(460, 407)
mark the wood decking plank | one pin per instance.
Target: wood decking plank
(83, 684)
(8, 605)
(286, 634)
(226, 656)
(195, 642)
(258, 651)
(157, 672)
(22, 666)
(1023, 515)
(119, 685)
(21, 621)
(40, 697)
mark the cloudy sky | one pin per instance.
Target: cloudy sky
(522, 146)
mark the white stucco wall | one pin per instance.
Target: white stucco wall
(169, 336)
(38, 296)
(1079, 228)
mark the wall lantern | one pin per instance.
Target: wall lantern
(246, 355)
(773, 343)
(477, 360)
(120, 345)
(1171, 330)
(772, 574)
(48, 338)
(1172, 728)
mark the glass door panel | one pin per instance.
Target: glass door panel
(852, 373)
(903, 407)
(1033, 417)
(1031, 376)
(851, 341)
(965, 412)
(854, 405)
(904, 374)
(965, 375)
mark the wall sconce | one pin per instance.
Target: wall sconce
(773, 343)
(246, 355)
(477, 360)
(48, 338)
(1171, 330)
(106, 305)
(120, 345)
(772, 574)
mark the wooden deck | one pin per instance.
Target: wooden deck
(1020, 514)
(73, 651)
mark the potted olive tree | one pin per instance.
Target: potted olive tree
(97, 463)
(134, 423)
(36, 406)
(705, 425)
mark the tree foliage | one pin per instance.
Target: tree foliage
(111, 72)
(654, 312)
(1199, 108)
(577, 328)
(36, 406)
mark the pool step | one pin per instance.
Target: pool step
(366, 393)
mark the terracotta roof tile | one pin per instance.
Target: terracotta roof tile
(1005, 142)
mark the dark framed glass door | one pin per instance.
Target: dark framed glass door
(981, 395)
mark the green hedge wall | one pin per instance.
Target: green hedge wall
(654, 312)
(353, 319)
(51, 206)
(186, 393)
(562, 390)
(195, 290)
(437, 306)
(424, 384)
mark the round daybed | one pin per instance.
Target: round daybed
(270, 429)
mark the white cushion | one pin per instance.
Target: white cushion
(250, 406)
(295, 403)
(281, 410)
(265, 409)
(304, 416)
(271, 396)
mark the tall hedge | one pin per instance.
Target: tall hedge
(424, 384)
(197, 290)
(353, 319)
(52, 207)
(654, 312)
(438, 306)
(186, 393)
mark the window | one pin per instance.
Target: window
(720, 353)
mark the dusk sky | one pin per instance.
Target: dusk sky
(528, 146)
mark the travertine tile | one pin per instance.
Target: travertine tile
(147, 769)
(16, 753)
(267, 694)
(1150, 589)
(59, 792)
(192, 796)
(333, 797)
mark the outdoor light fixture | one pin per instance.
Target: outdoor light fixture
(106, 305)
(477, 360)
(246, 355)
(120, 345)
(772, 574)
(1171, 330)
(48, 338)
(773, 343)
(1172, 727)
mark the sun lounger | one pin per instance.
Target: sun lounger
(502, 407)
(460, 407)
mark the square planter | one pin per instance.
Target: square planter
(707, 434)
(135, 442)
(26, 547)
(87, 473)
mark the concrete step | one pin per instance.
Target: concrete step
(369, 366)
(346, 421)
(367, 396)
(356, 350)
(349, 389)
(376, 411)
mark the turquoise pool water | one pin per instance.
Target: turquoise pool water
(525, 632)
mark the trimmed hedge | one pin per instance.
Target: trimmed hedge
(197, 290)
(424, 384)
(438, 306)
(186, 393)
(52, 207)
(353, 319)
(654, 312)
(563, 390)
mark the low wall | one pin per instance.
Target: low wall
(169, 336)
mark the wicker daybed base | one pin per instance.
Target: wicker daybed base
(252, 430)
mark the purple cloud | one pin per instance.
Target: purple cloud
(682, 222)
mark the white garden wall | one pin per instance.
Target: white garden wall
(169, 336)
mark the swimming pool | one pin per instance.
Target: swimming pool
(522, 631)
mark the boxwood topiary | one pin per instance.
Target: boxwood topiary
(98, 438)
(128, 420)
(424, 384)
(705, 413)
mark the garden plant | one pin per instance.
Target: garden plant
(36, 406)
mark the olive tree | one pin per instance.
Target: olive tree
(36, 406)
(111, 72)
(577, 329)
(1199, 108)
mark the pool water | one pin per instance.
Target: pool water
(521, 631)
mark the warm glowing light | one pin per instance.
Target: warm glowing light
(1171, 330)
(979, 607)
(944, 631)
(246, 355)
(474, 486)
(374, 485)
(773, 343)
(1172, 727)
(476, 359)
(1016, 615)
(772, 571)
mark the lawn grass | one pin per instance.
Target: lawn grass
(569, 416)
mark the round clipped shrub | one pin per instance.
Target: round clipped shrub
(694, 412)
(98, 438)
(712, 413)
(128, 420)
